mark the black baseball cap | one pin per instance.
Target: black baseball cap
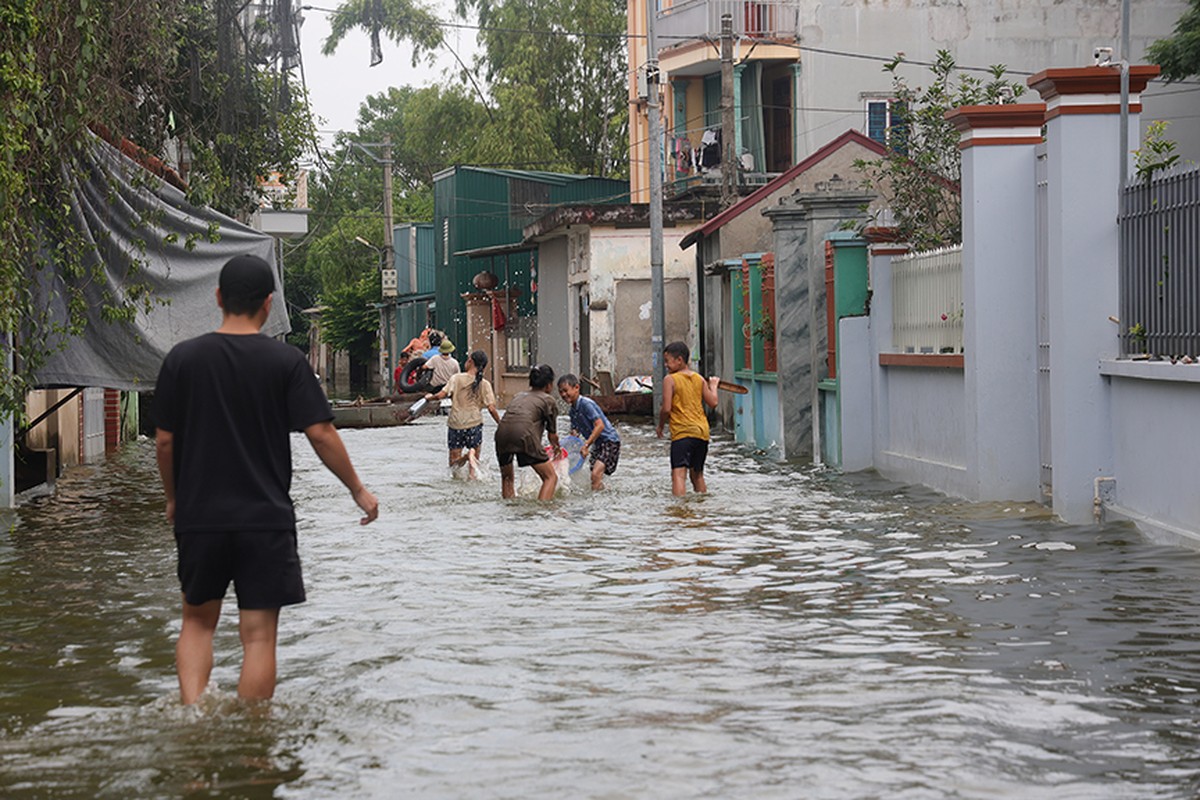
(246, 277)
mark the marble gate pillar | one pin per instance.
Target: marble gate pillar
(800, 224)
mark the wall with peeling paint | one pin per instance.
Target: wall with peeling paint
(623, 255)
(614, 276)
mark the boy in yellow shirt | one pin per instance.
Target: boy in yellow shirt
(685, 393)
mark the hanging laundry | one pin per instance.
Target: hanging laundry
(710, 148)
(498, 318)
(683, 155)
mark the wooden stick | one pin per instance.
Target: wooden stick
(736, 388)
(593, 384)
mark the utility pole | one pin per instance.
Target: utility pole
(387, 276)
(389, 254)
(388, 339)
(729, 192)
(657, 313)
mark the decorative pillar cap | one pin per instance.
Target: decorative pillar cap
(1015, 123)
(1090, 90)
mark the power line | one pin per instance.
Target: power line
(498, 29)
(705, 38)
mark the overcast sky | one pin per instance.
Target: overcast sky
(338, 84)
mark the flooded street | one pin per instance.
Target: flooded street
(795, 634)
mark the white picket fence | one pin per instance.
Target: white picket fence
(927, 309)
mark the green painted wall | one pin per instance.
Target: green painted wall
(475, 207)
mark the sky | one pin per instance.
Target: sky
(338, 84)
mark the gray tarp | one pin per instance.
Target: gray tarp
(128, 214)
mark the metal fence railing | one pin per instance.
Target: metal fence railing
(700, 18)
(927, 309)
(1160, 265)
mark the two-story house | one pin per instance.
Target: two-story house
(805, 72)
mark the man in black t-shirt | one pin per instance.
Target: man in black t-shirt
(225, 406)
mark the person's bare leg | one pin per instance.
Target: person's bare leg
(258, 628)
(679, 481)
(456, 457)
(549, 479)
(473, 461)
(598, 476)
(698, 482)
(194, 650)
(506, 481)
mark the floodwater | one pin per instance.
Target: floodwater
(794, 634)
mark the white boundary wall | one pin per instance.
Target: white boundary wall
(1123, 434)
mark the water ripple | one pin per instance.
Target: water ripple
(794, 633)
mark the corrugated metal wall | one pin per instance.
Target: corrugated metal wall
(476, 207)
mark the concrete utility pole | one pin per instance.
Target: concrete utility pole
(389, 328)
(729, 192)
(657, 313)
(389, 254)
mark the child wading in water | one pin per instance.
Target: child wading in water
(519, 433)
(685, 393)
(469, 394)
(599, 435)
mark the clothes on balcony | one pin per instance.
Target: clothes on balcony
(710, 148)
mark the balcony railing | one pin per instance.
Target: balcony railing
(698, 19)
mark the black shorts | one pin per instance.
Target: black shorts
(607, 452)
(264, 567)
(689, 452)
(465, 438)
(523, 459)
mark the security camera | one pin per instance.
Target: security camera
(1102, 56)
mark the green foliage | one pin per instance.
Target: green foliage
(430, 128)
(426, 128)
(558, 100)
(338, 259)
(1156, 153)
(919, 176)
(64, 65)
(239, 118)
(1137, 337)
(569, 88)
(401, 20)
(349, 321)
(1179, 55)
(146, 71)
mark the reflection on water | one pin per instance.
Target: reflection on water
(793, 634)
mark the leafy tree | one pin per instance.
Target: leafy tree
(920, 175)
(563, 63)
(430, 129)
(350, 322)
(149, 71)
(338, 258)
(401, 20)
(555, 69)
(1179, 55)
(425, 126)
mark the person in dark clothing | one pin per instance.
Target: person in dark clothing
(225, 405)
(519, 434)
